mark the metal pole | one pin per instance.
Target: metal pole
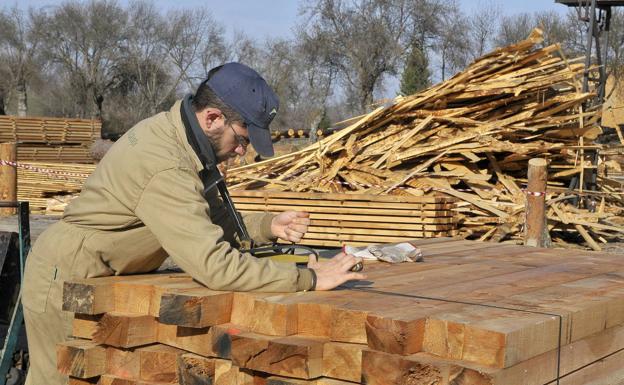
(603, 72)
(590, 36)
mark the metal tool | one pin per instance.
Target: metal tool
(286, 253)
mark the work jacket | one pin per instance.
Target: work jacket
(143, 203)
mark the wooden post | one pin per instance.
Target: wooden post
(536, 231)
(8, 176)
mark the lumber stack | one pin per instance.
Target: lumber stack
(337, 219)
(472, 313)
(612, 158)
(470, 137)
(45, 139)
(49, 186)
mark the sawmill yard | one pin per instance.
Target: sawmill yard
(461, 170)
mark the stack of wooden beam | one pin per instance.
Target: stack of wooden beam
(360, 219)
(469, 137)
(472, 313)
(48, 186)
(51, 139)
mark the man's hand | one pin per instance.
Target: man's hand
(334, 272)
(290, 225)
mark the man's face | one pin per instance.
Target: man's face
(229, 140)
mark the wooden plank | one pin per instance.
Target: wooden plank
(195, 370)
(266, 314)
(196, 308)
(89, 297)
(343, 361)
(580, 363)
(126, 330)
(211, 341)
(302, 201)
(159, 363)
(292, 356)
(382, 368)
(123, 363)
(337, 196)
(80, 358)
(347, 210)
(84, 325)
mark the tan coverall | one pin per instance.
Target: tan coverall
(142, 203)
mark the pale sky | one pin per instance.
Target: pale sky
(276, 18)
(260, 19)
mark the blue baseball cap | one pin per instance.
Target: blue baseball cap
(243, 89)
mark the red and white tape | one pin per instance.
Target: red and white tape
(47, 171)
(535, 193)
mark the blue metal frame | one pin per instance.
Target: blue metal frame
(6, 355)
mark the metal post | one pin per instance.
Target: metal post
(536, 231)
(590, 36)
(17, 318)
(603, 72)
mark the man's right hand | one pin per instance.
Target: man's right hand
(335, 271)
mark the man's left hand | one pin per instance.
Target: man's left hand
(290, 225)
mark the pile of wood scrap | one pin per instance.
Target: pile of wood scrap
(360, 219)
(469, 137)
(472, 313)
(50, 139)
(49, 186)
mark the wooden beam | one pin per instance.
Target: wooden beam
(195, 370)
(536, 232)
(80, 358)
(196, 308)
(126, 330)
(8, 176)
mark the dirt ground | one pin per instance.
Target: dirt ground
(615, 247)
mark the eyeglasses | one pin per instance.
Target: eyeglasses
(243, 141)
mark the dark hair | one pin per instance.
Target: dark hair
(205, 97)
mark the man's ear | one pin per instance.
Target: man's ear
(208, 116)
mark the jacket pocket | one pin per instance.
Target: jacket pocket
(38, 279)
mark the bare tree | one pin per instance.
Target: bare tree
(452, 47)
(20, 60)
(483, 24)
(85, 39)
(364, 40)
(142, 66)
(514, 28)
(193, 38)
(244, 49)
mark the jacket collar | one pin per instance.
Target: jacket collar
(176, 119)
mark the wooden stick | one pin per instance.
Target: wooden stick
(590, 241)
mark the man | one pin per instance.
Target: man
(153, 196)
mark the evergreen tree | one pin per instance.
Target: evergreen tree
(416, 72)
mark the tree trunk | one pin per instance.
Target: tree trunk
(99, 100)
(2, 97)
(22, 101)
(314, 125)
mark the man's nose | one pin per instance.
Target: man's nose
(240, 150)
